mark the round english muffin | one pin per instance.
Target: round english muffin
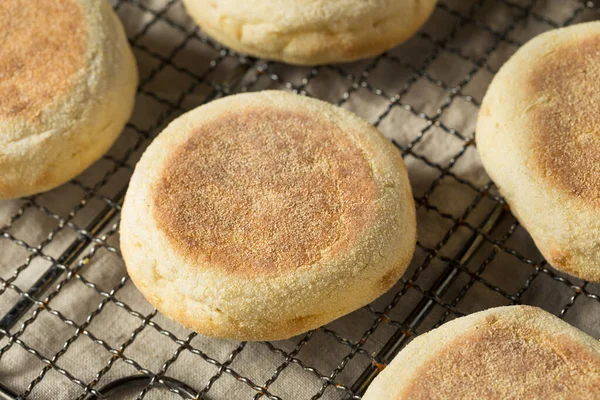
(67, 87)
(539, 139)
(264, 215)
(310, 32)
(514, 352)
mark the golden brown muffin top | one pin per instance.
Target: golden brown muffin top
(264, 191)
(42, 45)
(503, 359)
(564, 87)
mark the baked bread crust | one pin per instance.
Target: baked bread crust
(514, 352)
(67, 87)
(539, 140)
(261, 216)
(311, 32)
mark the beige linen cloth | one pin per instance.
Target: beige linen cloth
(424, 94)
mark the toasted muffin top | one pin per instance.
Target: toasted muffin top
(265, 190)
(43, 46)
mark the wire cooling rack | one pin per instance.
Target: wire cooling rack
(73, 325)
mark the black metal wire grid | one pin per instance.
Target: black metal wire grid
(60, 248)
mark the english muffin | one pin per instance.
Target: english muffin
(310, 32)
(261, 216)
(514, 352)
(67, 86)
(539, 139)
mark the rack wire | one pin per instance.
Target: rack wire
(73, 325)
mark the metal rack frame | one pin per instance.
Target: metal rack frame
(490, 235)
